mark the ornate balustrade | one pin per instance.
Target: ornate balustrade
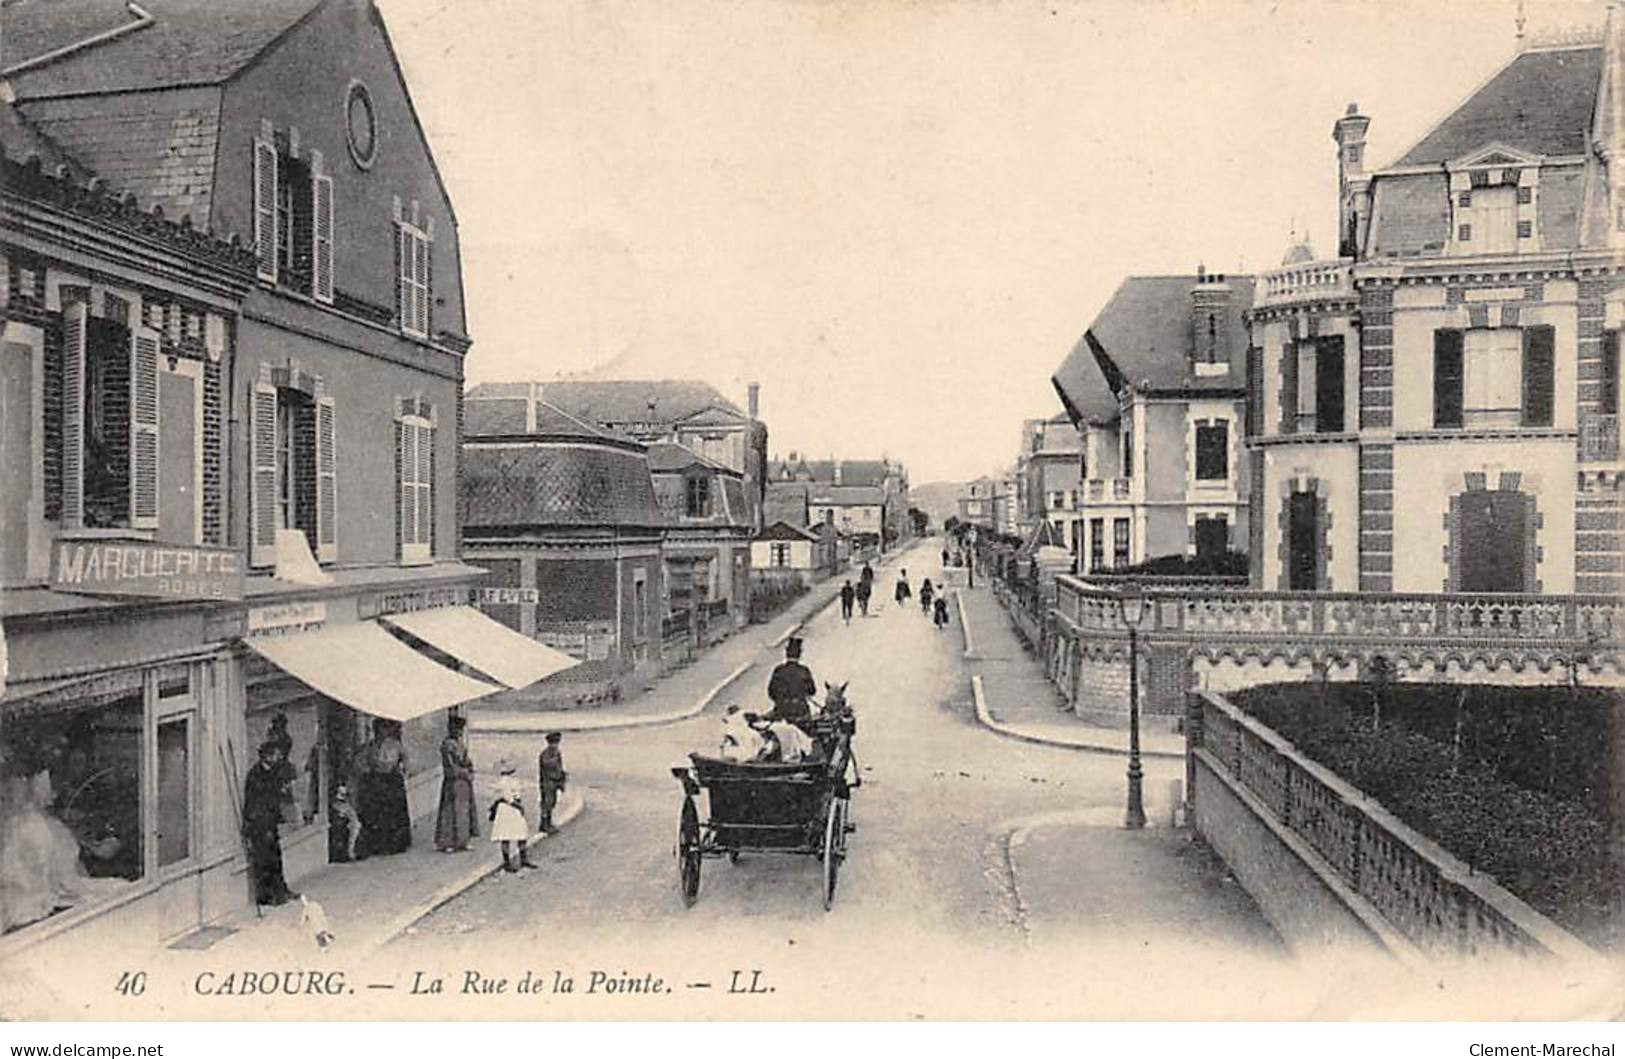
(1572, 631)
(1422, 892)
(1308, 281)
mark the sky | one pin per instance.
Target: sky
(897, 217)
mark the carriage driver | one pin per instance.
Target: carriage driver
(791, 686)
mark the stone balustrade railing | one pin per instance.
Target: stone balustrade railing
(1311, 279)
(1588, 630)
(1422, 892)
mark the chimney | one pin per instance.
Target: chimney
(837, 472)
(1353, 207)
(753, 399)
(1210, 315)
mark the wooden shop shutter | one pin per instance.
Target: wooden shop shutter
(321, 265)
(1329, 384)
(143, 428)
(1539, 349)
(327, 535)
(74, 334)
(265, 177)
(262, 476)
(1447, 377)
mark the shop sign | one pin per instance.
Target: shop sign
(286, 617)
(143, 568)
(509, 596)
(420, 599)
(587, 641)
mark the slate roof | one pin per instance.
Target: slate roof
(785, 502)
(619, 401)
(506, 416)
(666, 457)
(1144, 337)
(780, 530)
(853, 472)
(189, 42)
(1540, 102)
(562, 482)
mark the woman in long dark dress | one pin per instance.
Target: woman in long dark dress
(262, 816)
(455, 824)
(386, 822)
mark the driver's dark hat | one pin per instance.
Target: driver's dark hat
(792, 647)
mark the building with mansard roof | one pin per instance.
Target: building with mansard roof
(1438, 407)
(707, 540)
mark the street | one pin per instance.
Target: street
(963, 868)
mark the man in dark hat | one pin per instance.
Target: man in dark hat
(790, 686)
(551, 775)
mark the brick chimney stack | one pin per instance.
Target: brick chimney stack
(1210, 319)
(753, 400)
(1353, 183)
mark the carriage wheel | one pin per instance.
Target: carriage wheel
(834, 850)
(688, 852)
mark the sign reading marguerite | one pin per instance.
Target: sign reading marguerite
(142, 568)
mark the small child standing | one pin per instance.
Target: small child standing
(507, 817)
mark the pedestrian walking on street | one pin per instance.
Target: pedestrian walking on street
(926, 592)
(863, 594)
(386, 823)
(866, 576)
(945, 558)
(507, 817)
(551, 777)
(848, 593)
(939, 611)
(455, 825)
(903, 593)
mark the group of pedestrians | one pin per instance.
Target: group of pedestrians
(457, 825)
(859, 594)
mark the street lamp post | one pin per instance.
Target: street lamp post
(1131, 608)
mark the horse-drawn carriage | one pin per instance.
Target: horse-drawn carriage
(800, 807)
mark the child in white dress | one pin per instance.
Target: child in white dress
(507, 817)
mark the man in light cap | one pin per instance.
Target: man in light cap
(791, 686)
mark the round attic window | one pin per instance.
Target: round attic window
(361, 124)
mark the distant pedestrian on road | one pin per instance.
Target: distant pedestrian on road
(507, 815)
(848, 594)
(939, 611)
(455, 823)
(945, 558)
(863, 594)
(866, 576)
(903, 593)
(551, 777)
(926, 592)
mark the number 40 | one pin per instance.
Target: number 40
(131, 983)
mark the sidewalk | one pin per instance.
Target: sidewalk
(369, 902)
(680, 694)
(1015, 698)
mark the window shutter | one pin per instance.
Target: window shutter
(262, 477)
(74, 331)
(1289, 388)
(1447, 377)
(425, 488)
(406, 468)
(327, 536)
(1609, 396)
(1538, 354)
(265, 177)
(1329, 385)
(321, 264)
(143, 428)
(403, 261)
(420, 277)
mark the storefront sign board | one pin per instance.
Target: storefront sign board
(145, 568)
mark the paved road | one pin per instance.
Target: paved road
(931, 917)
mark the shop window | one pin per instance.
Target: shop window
(174, 838)
(70, 802)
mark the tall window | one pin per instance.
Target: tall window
(414, 435)
(1212, 538)
(1319, 389)
(1120, 541)
(1128, 450)
(1493, 377)
(697, 499)
(781, 553)
(1487, 220)
(1302, 545)
(1491, 539)
(293, 218)
(110, 422)
(293, 471)
(414, 287)
(1213, 451)
(1097, 544)
(1608, 392)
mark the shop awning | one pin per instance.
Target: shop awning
(487, 645)
(364, 667)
